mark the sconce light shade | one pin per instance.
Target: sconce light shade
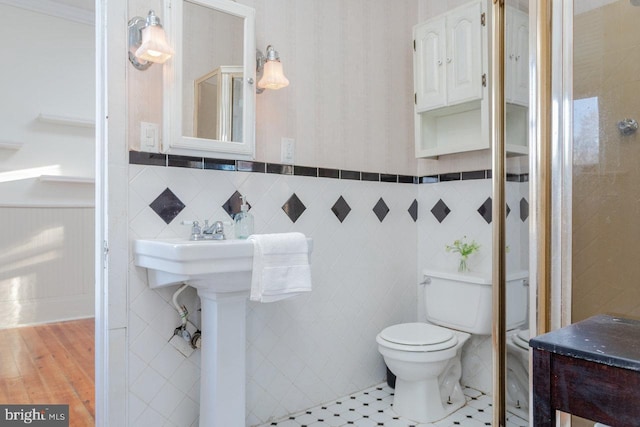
(270, 70)
(273, 77)
(147, 42)
(154, 45)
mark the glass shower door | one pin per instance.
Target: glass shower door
(605, 263)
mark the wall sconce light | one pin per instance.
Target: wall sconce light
(269, 70)
(147, 42)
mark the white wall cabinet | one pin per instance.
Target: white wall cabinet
(517, 54)
(450, 73)
(448, 58)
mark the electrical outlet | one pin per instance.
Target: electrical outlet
(287, 153)
(149, 137)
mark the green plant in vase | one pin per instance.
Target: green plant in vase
(464, 249)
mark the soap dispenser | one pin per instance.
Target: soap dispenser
(244, 221)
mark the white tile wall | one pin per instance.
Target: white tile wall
(300, 352)
(306, 351)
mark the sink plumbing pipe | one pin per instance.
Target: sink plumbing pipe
(182, 310)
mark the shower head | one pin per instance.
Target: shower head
(627, 126)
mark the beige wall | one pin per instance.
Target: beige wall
(349, 104)
(606, 194)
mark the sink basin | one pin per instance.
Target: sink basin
(218, 265)
(173, 261)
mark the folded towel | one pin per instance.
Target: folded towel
(280, 266)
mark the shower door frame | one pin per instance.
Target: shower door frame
(551, 136)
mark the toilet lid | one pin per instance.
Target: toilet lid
(418, 334)
(522, 339)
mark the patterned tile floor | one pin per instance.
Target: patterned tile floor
(373, 407)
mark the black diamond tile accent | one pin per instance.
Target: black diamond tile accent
(440, 210)
(233, 203)
(413, 210)
(341, 208)
(167, 205)
(485, 210)
(524, 209)
(293, 207)
(381, 209)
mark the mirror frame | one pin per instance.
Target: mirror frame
(173, 140)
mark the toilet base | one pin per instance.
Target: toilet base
(414, 400)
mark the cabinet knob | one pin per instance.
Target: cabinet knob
(511, 56)
(517, 57)
(448, 60)
(439, 61)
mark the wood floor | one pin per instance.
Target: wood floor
(48, 364)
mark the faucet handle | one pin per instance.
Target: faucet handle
(196, 231)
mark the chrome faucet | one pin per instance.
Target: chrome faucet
(206, 232)
(213, 232)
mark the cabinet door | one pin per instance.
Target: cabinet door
(428, 65)
(464, 59)
(520, 60)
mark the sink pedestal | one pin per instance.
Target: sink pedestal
(222, 378)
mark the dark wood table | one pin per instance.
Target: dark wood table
(590, 369)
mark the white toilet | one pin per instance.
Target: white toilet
(425, 358)
(518, 372)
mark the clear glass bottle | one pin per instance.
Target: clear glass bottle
(243, 221)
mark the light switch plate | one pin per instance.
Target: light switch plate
(287, 153)
(149, 137)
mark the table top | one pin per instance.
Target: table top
(604, 339)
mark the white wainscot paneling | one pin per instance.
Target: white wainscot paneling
(47, 271)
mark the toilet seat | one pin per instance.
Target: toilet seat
(521, 339)
(418, 337)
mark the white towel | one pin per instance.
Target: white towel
(280, 266)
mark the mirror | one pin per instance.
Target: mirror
(218, 104)
(209, 95)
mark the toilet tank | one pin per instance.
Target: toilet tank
(463, 301)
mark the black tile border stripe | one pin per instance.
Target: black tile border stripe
(328, 173)
(344, 174)
(171, 160)
(279, 169)
(305, 171)
(370, 176)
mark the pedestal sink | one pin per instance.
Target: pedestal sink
(221, 272)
